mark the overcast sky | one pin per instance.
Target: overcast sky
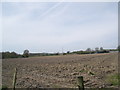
(49, 27)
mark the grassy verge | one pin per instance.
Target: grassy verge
(114, 79)
(4, 87)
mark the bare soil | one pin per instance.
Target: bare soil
(61, 71)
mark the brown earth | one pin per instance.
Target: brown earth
(61, 71)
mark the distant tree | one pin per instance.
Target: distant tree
(26, 53)
(68, 52)
(118, 48)
(5, 55)
(10, 55)
(88, 49)
(101, 48)
(96, 49)
(57, 53)
(14, 55)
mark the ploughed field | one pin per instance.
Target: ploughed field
(61, 71)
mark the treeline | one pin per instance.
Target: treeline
(97, 50)
(42, 54)
(27, 54)
(91, 52)
(10, 55)
(15, 55)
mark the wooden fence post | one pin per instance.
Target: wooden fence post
(80, 83)
(14, 78)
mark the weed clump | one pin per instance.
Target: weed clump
(114, 79)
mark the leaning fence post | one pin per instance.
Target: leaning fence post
(14, 78)
(80, 83)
